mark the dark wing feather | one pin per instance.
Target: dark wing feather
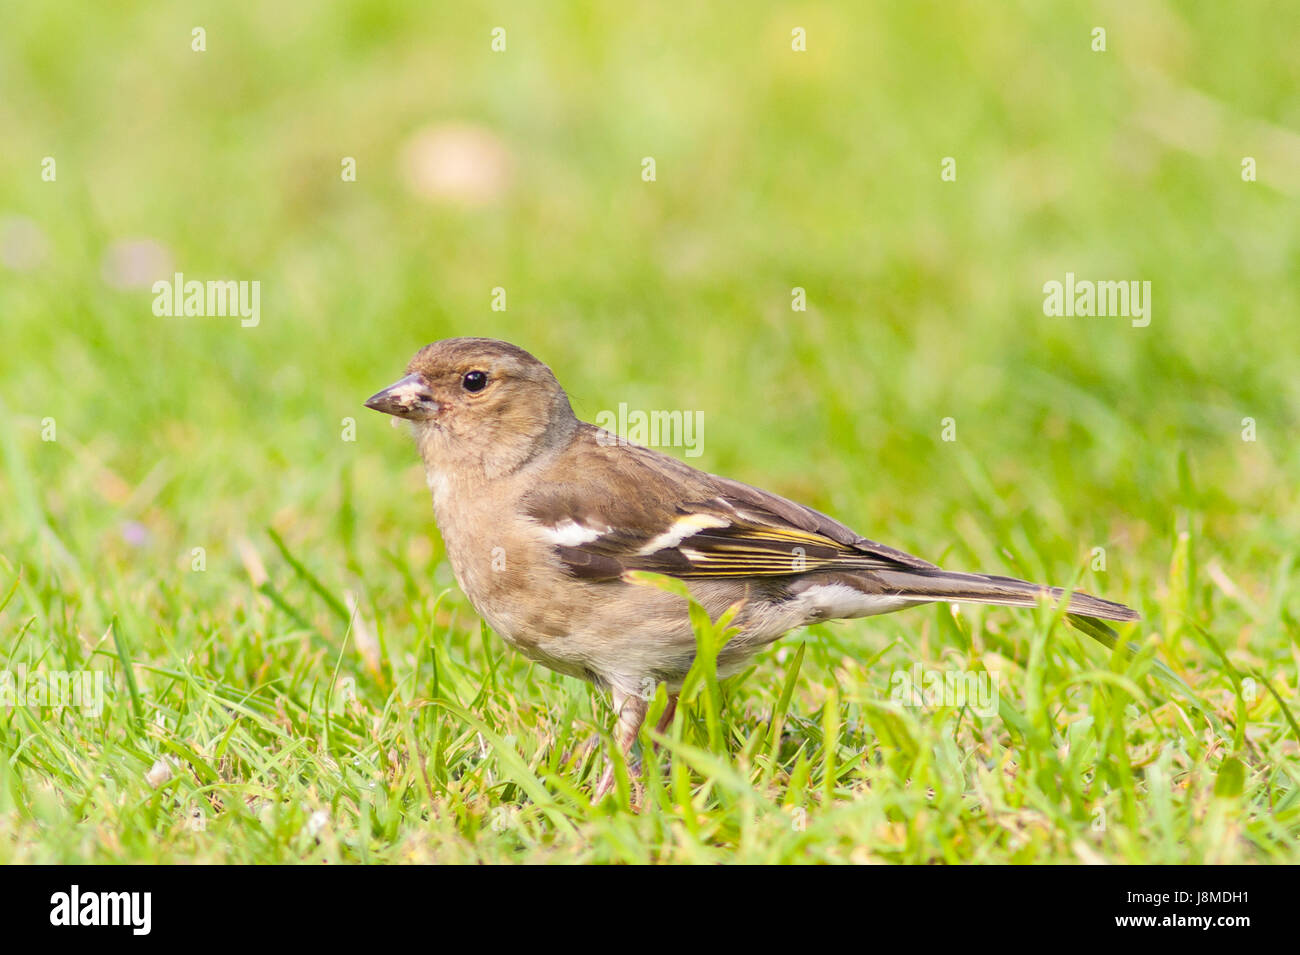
(646, 511)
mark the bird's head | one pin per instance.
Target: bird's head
(478, 401)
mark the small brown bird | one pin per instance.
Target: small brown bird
(543, 516)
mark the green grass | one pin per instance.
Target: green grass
(298, 729)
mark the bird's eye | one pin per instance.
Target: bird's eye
(475, 381)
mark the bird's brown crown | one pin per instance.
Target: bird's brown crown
(453, 355)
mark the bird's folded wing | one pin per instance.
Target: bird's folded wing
(666, 525)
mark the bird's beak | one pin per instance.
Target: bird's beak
(408, 398)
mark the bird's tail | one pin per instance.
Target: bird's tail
(1085, 613)
(944, 585)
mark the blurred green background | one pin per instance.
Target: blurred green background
(775, 169)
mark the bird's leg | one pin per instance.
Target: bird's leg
(630, 711)
(666, 721)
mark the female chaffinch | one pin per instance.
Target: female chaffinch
(544, 516)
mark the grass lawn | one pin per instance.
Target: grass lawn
(200, 510)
